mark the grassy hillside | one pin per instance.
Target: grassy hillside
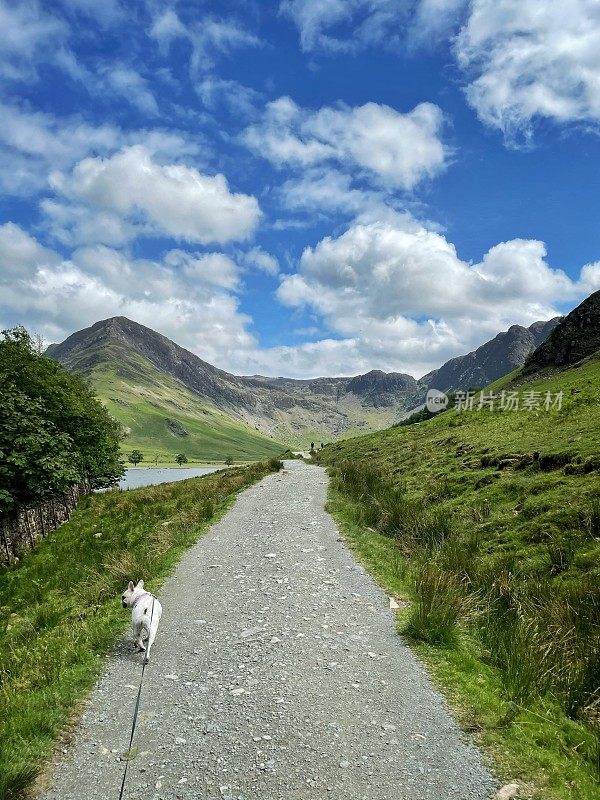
(60, 608)
(488, 524)
(163, 418)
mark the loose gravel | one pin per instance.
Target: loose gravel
(276, 673)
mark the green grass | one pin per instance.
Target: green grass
(162, 417)
(490, 524)
(60, 607)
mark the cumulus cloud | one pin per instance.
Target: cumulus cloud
(72, 225)
(33, 143)
(328, 191)
(215, 268)
(395, 149)
(20, 253)
(400, 292)
(391, 295)
(533, 59)
(172, 198)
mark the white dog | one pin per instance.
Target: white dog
(146, 611)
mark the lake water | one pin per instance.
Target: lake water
(150, 476)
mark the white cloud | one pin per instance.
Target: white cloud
(173, 198)
(19, 252)
(532, 59)
(395, 149)
(339, 25)
(106, 13)
(590, 278)
(166, 27)
(208, 37)
(214, 268)
(522, 59)
(327, 190)
(434, 19)
(72, 225)
(28, 33)
(400, 293)
(33, 143)
(380, 270)
(263, 261)
(218, 93)
(129, 84)
(350, 25)
(379, 289)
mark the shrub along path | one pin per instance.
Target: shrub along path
(276, 673)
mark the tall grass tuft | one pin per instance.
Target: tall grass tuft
(590, 518)
(386, 506)
(441, 602)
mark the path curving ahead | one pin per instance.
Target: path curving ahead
(276, 674)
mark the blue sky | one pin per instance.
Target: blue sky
(305, 187)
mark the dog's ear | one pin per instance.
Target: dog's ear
(130, 587)
(140, 585)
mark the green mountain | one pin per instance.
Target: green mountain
(147, 380)
(160, 415)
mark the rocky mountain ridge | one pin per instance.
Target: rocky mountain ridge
(504, 353)
(576, 338)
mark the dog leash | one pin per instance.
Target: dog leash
(135, 712)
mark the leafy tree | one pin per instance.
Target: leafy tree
(54, 431)
(181, 458)
(135, 457)
(36, 460)
(229, 461)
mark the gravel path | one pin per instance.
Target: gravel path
(276, 673)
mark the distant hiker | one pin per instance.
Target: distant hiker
(322, 445)
(312, 445)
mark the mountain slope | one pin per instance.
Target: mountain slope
(504, 353)
(162, 417)
(288, 410)
(575, 338)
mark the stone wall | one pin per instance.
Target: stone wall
(21, 530)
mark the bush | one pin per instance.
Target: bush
(54, 432)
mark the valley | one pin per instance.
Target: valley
(170, 401)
